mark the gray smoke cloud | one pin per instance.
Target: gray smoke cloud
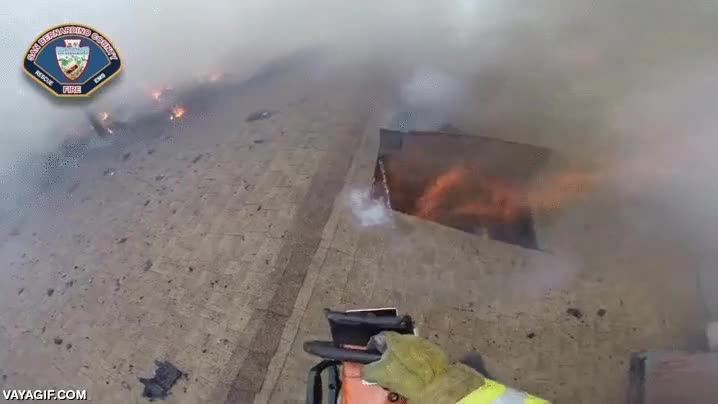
(430, 96)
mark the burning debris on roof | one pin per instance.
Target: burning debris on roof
(161, 94)
(156, 95)
(177, 112)
(106, 122)
(100, 123)
(165, 103)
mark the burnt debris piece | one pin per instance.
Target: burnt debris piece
(259, 115)
(98, 124)
(158, 387)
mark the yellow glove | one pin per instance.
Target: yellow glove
(419, 371)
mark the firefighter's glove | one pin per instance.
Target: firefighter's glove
(420, 371)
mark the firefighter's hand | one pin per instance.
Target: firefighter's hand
(420, 371)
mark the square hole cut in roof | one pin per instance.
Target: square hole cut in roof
(475, 184)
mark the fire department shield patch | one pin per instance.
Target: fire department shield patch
(72, 60)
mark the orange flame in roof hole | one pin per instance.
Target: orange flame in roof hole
(461, 191)
(435, 194)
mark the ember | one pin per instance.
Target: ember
(160, 94)
(106, 122)
(177, 112)
(156, 95)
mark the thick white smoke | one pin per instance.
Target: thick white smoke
(431, 96)
(367, 211)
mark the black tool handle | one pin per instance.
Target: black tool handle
(357, 328)
(315, 390)
(383, 323)
(327, 350)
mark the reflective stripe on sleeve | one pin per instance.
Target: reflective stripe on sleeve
(496, 393)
